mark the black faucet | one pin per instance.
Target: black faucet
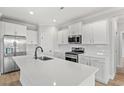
(36, 51)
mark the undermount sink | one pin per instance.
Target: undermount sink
(45, 58)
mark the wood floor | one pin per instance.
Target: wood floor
(12, 79)
(118, 81)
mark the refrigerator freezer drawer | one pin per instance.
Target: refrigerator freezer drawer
(9, 65)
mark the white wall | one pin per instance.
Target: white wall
(122, 45)
(121, 42)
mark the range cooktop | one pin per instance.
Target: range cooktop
(75, 53)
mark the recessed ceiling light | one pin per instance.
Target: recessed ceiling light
(54, 20)
(31, 13)
(54, 83)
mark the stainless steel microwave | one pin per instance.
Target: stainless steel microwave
(75, 39)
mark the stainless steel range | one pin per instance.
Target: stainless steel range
(73, 55)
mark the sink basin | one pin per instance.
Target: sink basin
(44, 58)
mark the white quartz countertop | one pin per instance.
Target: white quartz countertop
(96, 55)
(54, 72)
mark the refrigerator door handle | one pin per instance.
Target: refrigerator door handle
(14, 48)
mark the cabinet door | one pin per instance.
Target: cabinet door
(65, 36)
(71, 30)
(2, 32)
(16, 66)
(48, 42)
(100, 32)
(9, 28)
(34, 35)
(20, 30)
(87, 34)
(84, 60)
(60, 41)
(75, 29)
(100, 65)
(31, 37)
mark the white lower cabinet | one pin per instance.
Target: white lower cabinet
(100, 75)
(84, 60)
(101, 63)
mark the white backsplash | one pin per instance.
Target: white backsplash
(30, 49)
(95, 49)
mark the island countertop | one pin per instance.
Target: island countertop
(57, 71)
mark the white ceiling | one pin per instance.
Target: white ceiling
(45, 15)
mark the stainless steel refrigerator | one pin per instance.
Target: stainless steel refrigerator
(12, 46)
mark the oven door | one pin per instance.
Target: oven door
(73, 58)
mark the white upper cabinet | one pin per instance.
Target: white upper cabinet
(100, 32)
(1, 29)
(14, 29)
(95, 33)
(63, 36)
(92, 33)
(87, 34)
(60, 41)
(9, 28)
(31, 37)
(20, 30)
(48, 40)
(75, 29)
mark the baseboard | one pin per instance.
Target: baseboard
(118, 66)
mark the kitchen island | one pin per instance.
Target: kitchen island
(54, 72)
